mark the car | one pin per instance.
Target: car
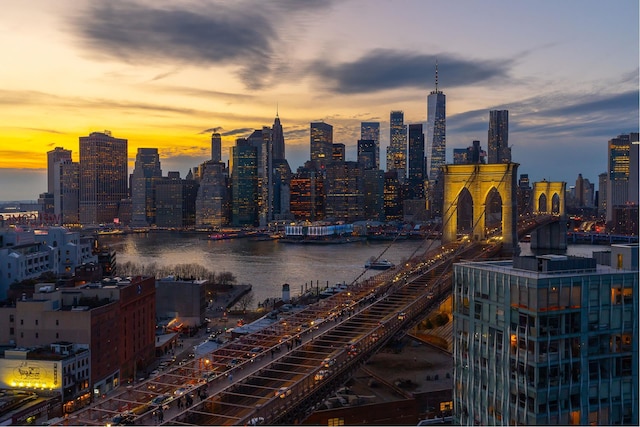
(352, 350)
(283, 392)
(254, 352)
(163, 400)
(233, 363)
(402, 315)
(180, 391)
(126, 418)
(328, 362)
(208, 376)
(256, 421)
(321, 374)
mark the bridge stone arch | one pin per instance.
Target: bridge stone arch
(544, 193)
(479, 180)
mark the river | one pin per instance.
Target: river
(267, 265)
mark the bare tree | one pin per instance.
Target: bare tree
(226, 278)
(245, 301)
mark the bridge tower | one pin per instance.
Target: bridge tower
(549, 199)
(480, 181)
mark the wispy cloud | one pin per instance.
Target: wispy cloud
(211, 130)
(241, 131)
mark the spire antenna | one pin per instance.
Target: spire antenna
(436, 75)
(276, 109)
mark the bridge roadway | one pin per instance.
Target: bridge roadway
(278, 374)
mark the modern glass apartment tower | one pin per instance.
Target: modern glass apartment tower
(547, 340)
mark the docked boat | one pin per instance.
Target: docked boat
(381, 264)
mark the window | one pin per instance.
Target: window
(36, 322)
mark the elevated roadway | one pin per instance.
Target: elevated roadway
(279, 374)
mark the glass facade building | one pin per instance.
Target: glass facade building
(498, 137)
(371, 131)
(417, 161)
(103, 177)
(436, 132)
(397, 151)
(146, 171)
(244, 184)
(546, 340)
(321, 143)
(622, 165)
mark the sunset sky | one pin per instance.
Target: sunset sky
(165, 74)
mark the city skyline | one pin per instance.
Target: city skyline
(186, 70)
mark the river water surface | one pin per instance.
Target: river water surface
(267, 265)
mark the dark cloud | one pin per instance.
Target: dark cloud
(241, 131)
(383, 69)
(558, 115)
(627, 101)
(220, 33)
(242, 34)
(211, 130)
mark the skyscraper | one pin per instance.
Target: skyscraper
(321, 143)
(66, 192)
(146, 171)
(417, 161)
(281, 175)
(367, 154)
(498, 140)
(344, 191)
(278, 139)
(371, 131)
(212, 200)
(397, 151)
(602, 194)
(621, 164)
(244, 184)
(436, 131)
(54, 156)
(216, 147)
(103, 177)
(262, 140)
(175, 201)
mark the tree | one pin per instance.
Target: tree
(226, 278)
(245, 301)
